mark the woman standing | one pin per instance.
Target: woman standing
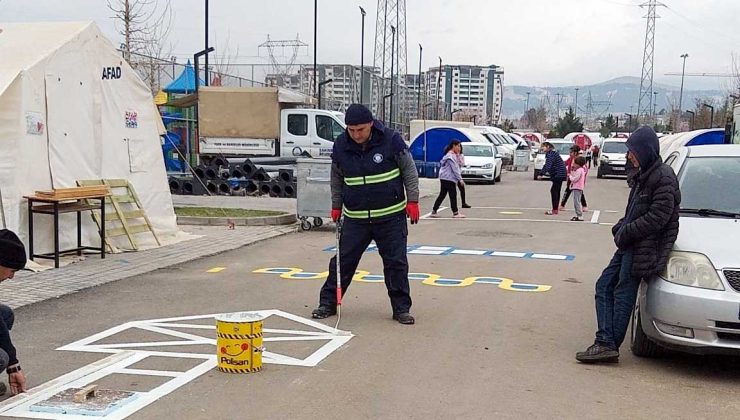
(449, 177)
(555, 167)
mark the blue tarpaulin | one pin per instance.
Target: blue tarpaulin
(185, 83)
(436, 140)
(171, 142)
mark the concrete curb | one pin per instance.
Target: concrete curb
(283, 219)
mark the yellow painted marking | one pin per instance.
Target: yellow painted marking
(511, 212)
(293, 273)
(216, 270)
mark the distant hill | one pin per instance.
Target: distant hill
(612, 96)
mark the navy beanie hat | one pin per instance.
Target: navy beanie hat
(358, 114)
(12, 251)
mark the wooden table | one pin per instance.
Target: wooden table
(56, 206)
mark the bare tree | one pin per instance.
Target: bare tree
(145, 26)
(536, 118)
(223, 62)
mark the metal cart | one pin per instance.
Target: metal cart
(313, 178)
(521, 160)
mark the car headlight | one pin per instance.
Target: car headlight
(605, 159)
(487, 166)
(692, 269)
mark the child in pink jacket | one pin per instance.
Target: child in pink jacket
(577, 178)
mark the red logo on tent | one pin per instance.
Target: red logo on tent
(583, 141)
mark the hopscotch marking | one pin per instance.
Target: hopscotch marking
(124, 355)
(216, 270)
(451, 250)
(595, 217)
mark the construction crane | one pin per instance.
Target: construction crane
(702, 74)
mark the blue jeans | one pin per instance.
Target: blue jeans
(616, 291)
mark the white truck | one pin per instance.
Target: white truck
(263, 122)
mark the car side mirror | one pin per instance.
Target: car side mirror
(499, 156)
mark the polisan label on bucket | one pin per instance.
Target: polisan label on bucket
(239, 342)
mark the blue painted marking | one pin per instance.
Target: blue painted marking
(523, 286)
(280, 270)
(489, 280)
(373, 277)
(447, 281)
(304, 275)
(486, 253)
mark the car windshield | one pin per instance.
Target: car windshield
(711, 183)
(477, 150)
(618, 147)
(563, 148)
(493, 139)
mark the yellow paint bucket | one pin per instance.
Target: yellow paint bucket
(239, 342)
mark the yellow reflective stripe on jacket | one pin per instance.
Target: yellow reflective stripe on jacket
(373, 179)
(365, 214)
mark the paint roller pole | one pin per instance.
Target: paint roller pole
(339, 273)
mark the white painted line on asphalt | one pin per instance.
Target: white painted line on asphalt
(530, 208)
(482, 219)
(549, 257)
(426, 216)
(508, 254)
(468, 252)
(433, 248)
(595, 217)
(422, 252)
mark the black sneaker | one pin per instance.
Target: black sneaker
(598, 353)
(323, 311)
(404, 318)
(466, 206)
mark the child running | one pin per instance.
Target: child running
(449, 177)
(577, 179)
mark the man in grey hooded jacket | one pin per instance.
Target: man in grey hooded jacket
(644, 237)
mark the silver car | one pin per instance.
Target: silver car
(694, 305)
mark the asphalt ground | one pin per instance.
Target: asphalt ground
(488, 348)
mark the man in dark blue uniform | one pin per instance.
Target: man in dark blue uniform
(374, 186)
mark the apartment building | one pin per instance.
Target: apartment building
(473, 90)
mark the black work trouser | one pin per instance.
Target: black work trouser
(8, 318)
(390, 237)
(557, 186)
(566, 196)
(461, 186)
(446, 187)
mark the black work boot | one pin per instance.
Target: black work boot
(598, 353)
(323, 311)
(3, 389)
(404, 318)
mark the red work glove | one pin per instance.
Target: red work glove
(336, 214)
(412, 209)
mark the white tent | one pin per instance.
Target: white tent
(72, 109)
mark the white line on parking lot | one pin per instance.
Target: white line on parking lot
(426, 216)
(483, 219)
(532, 208)
(595, 217)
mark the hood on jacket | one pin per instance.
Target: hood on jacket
(644, 144)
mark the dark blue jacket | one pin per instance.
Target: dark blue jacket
(377, 156)
(554, 166)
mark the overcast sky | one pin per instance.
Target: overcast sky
(538, 42)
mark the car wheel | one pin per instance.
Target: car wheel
(497, 178)
(599, 174)
(640, 344)
(536, 174)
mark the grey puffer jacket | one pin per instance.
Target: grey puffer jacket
(650, 225)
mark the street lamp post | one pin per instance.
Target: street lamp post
(576, 105)
(383, 108)
(629, 122)
(526, 111)
(205, 49)
(320, 85)
(711, 119)
(439, 84)
(315, 29)
(362, 56)
(452, 114)
(680, 94)
(418, 80)
(393, 48)
(655, 107)
(693, 114)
